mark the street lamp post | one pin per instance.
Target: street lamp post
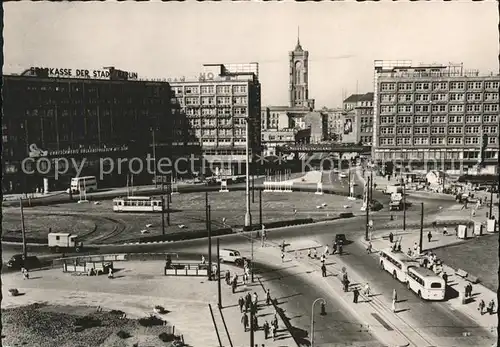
(404, 205)
(154, 156)
(248, 216)
(312, 318)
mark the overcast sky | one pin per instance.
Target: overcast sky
(175, 39)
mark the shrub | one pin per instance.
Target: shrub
(87, 322)
(165, 337)
(151, 321)
(123, 334)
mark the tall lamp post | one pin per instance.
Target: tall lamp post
(248, 216)
(312, 318)
(154, 155)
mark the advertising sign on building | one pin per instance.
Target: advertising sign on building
(111, 73)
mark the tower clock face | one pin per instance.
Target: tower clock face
(298, 65)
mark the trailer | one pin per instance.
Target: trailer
(64, 242)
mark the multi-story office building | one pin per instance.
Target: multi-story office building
(84, 116)
(437, 115)
(357, 119)
(218, 105)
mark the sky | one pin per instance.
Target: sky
(168, 40)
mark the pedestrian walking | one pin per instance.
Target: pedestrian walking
(309, 253)
(491, 306)
(323, 270)
(244, 278)
(110, 273)
(327, 250)
(275, 332)
(346, 285)
(275, 321)
(391, 237)
(481, 307)
(241, 303)
(315, 253)
(445, 278)
(323, 258)
(244, 321)
(203, 260)
(429, 236)
(355, 292)
(445, 230)
(268, 297)
(340, 249)
(266, 328)
(234, 285)
(369, 248)
(255, 298)
(415, 246)
(394, 300)
(334, 248)
(282, 256)
(367, 290)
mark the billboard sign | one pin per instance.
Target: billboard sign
(83, 73)
(347, 126)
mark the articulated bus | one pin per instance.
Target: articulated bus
(425, 283)
(137, 204)
(396, 264)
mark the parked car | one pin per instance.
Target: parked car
(17, 262)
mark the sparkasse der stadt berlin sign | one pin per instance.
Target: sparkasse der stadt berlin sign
(82, 73)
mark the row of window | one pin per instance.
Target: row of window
(220, 111)
(439, 97)
(366, 140)
(220, 132)
(454, 85)
(434, 141)
(210, 89)
(209, 100)
(438, 130)
(439, 108)
(487, 118)
(431, 155)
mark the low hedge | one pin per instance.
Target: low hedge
(183, 235)
(280, 224)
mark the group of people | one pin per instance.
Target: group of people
(249, 304)
(490, 309)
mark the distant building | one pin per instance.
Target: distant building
(318, 124)
(436, 116)
(272, 138)
(218, 105)
(275, 117)
(83, 116)
(357, 119)
(334, 123)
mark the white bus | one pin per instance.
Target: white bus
(137, 204)
(83, 184)
(396, 264)
(425, 283)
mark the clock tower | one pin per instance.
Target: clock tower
(298, 85)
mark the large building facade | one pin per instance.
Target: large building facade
(81, 118)
(357, 119)
(217, 106)
(440, 116)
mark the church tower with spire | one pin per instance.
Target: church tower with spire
(299, 77)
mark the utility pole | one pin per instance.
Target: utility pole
(367, 208)
(253, 188)
(491, 201)
(209, 222)
(162, 215)
(251, 265)
(251, 324)
(260, 207)
(219, 274)
(421, 228)
(404, 206)
(248, 215)
(168, 210)
(23, 230)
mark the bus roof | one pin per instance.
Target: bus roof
(399, 256)
(83, 178)
(423, 271)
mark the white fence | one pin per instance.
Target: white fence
(278, 187)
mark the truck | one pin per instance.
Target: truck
(64, 241)
(396, 202)
(389, 190)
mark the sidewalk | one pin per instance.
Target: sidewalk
(138, 287)
(456, 282)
